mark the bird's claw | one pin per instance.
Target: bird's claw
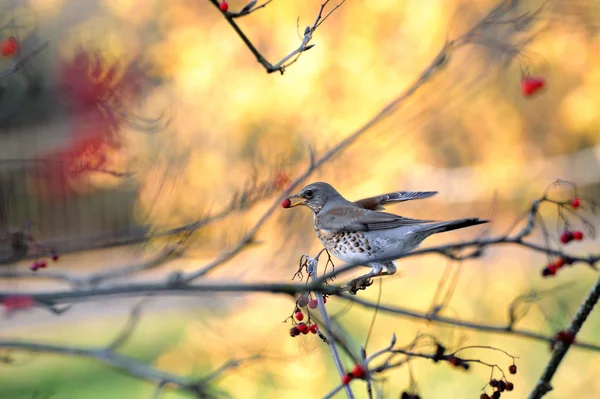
(360, 283)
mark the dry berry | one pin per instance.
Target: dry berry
(501, 386)
(575, 203)
(359, 371)
(566, 237)
(531, 85)
(454, 361)
(578, 235)
(549, 271)
(313, 304)
(494, 383)
(314, 328)
(510, 386)
(496, 395)
(512, 369)
(299, 316)
(294, 332)
(224, 6)
(302, 301)
(346, 378)
(484, 396)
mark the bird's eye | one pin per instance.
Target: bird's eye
(308, 193)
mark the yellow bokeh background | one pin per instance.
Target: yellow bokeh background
(467, 133)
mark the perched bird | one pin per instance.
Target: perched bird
(358, 233)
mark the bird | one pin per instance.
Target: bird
(360, 233)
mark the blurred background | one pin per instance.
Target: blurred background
(140, 116)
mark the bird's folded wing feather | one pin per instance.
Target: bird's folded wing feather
(376, 203)
(353, 218)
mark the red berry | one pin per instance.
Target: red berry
(484, 396)
(224, 6)
(299, 316)
(54, 255)
(324, 299)
(566, 237)
(510, 386)
(552, 269)
(294, 332)
(531, 85)
(286, 203)
(346, 378)
(313, 304)
(512, 369)
(559, 262)
(9, 47)
(575, 203)
(578, 235)
(34, 266)
(359, 371)
(42, 263)
(314, 328)
(303, 328)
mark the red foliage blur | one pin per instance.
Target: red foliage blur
(98, 96)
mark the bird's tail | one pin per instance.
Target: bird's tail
(440, 227)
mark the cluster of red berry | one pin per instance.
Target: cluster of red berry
(566, 237)
(358, 371)
(531, 85)
(41, 263)
(9, 47)
(223, 6)
(562, 336)
(303, 328)
(553, 267)
(500, 385)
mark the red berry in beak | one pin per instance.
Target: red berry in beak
(286, 203)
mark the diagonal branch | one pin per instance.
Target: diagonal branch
(543, 386)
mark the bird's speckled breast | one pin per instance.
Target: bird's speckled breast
(347, 246)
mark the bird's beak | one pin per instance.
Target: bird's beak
(292, 201)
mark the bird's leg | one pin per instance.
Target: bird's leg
(362, 282)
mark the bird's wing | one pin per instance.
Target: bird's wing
(353, 218)
(376, 203)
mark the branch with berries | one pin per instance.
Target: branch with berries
(292, 57)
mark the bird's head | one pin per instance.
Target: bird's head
(314, 196)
